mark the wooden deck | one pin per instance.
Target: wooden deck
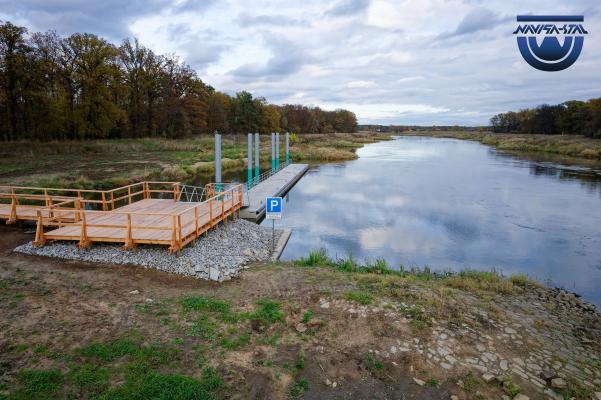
(142, 219)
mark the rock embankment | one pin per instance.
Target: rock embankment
(219, 256)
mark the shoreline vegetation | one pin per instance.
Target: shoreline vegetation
(313, 327)
(577, 148)
(101, 164)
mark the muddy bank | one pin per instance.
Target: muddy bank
(283, 331)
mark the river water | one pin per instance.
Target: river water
(452, 204)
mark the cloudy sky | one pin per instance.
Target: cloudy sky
(405, 61)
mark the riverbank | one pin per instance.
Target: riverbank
(579, 148)
(314, 328)
(102, 164)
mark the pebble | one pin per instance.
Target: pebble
(300, 327)
(558, 383)
(521, 396)
(419, 381)
(134, 292)
(488, 378)
(218, 256)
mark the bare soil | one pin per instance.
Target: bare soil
(401, 340)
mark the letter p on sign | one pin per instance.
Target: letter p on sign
(273, 208)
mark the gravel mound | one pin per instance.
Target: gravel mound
(219, 256)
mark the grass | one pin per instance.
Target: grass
(391, 282)
(269, 312)
(38, 384)
(360, 297)
(372, 364)
(103, 164)
(307, 316)
(120, 369)
(298, 388)
(577, 147)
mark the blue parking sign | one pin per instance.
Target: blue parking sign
(273, 208)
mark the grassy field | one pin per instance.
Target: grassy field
(575, 147)
(102, 164)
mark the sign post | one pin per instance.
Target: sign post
(273, 211)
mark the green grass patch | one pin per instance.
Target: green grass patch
(167, 387)
(372, 364)
(38, 384)
(269, 312)
(360, 297)
(299, 388)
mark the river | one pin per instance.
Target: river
(452, 204)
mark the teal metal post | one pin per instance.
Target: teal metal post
(249, 175)
(277, 151)
(257, 158)
(287, 148)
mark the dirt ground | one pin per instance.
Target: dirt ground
(332, 339)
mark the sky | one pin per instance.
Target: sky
(413, 62)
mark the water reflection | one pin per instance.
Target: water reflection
(452, 204)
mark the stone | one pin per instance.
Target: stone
(503, 365)
(419, 381)
(325, 304)
(315, 322)
(521, 396)
(558, 383)
(597, 395)
(134, 292)
(547, 374)
(454, 397)
(300, 327)
(510, 331)
(149, 300)
(552, 394)
(488, 378)
(446, 366)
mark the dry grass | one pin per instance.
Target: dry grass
(563, 145)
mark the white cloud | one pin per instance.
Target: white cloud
(389, 61)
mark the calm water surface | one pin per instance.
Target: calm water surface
(452, 204)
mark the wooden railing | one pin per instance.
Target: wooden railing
(89, 198)
(175, 229)
(23, 207)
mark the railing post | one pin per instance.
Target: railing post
(129, 240)
(13, 209)
(176, 190)
(179, 228)
(232, 210)
(129, 194)
(112, 200)
(40, 240)
(223, 210)
(77, 207)
(83, 236)
(46, 200)
(104, 207)
(196, 221)
(173, 247)
(211, 212)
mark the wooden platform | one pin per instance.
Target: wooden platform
(128, 215)
(150, 221)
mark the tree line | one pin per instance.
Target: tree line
(569, 118)
(84, 87)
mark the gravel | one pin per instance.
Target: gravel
(219, 256)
